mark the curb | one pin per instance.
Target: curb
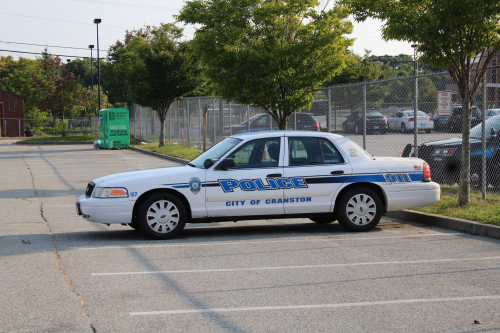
(35, 143)
(166, 157)
(462, 225)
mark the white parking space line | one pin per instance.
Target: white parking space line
(218, 244)
(298, 267)
(319, 306)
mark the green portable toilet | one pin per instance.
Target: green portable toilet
(114, 128)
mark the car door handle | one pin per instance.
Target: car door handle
(337, 172)
(274, 175)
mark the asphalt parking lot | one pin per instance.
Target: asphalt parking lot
(61, 273)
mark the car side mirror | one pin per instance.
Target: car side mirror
(208, 163)
(492, 132)
(227, 164)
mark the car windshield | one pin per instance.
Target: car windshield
(493, 122)
(215, 152)
(251, 119)
(374, 114)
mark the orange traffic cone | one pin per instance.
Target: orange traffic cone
(182, 133)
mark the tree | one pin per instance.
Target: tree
(359, 69)
(155, 68)
(462, 36)
(268, 53)
(55, 90)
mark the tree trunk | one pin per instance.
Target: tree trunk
(162, 114)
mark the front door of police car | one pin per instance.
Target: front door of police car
(252, 186)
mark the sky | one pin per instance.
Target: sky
(66, 27)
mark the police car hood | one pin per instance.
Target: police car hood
(450, 142)
(138, 176)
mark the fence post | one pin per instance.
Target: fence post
(169, 124)
(415, 114)
(230, 129)
(147, 112)
(364, 116)
(19, 127)
(329, 112)
(483, 143)
(189, 124)
(215, 130)
(200, 122)
(248, 118)
(140, 121)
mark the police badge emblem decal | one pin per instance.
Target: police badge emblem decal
(195, 185)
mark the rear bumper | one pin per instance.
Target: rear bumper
(406, 196)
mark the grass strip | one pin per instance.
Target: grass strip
(477, 210)
(174, 150)
(68, 138)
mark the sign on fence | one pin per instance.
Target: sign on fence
(444, 103)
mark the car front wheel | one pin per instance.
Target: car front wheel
(359, 209)
(162, 216)
(323, 220)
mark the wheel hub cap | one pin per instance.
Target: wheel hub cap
(163, 216)
(361, 209)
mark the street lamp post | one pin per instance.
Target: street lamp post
(97, 21)
(91, 67)
(414, 46)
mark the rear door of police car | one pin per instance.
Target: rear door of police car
(320, 166)
(252, 186)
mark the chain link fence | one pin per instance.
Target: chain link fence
(15, 127)
(379, 116)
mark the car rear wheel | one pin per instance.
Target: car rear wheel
(162, 216)
(359, 209)
(403, 128)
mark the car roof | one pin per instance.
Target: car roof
(266, 134)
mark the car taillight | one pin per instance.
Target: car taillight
(411, 119)
(385, 119)
(317, 126)
(459, 116)
(431, 119)
(427, 172)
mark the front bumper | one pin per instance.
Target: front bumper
(106, 211)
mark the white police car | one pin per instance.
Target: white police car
(265, 175)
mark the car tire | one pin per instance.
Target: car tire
(403, 128)
(359, 209)
(323, 220)
(133, 225)
(476, 178)
(162, 216)
(428, 130)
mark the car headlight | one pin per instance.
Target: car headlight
(110, 192)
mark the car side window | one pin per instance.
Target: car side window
(304, 151)
(330, 152)
(257, 154)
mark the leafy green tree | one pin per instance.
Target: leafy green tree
(17, 74)
(268, 53)
(156, 68)
(55, 90)
(359, 69)
(454, 35)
